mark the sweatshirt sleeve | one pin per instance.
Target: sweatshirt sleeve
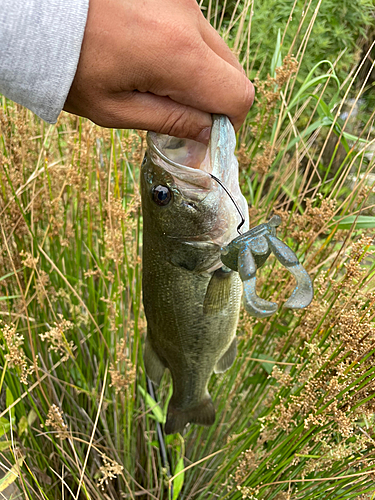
(40, 44)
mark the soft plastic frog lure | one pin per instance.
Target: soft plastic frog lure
(249, 251)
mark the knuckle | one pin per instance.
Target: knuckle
(249, 94)
(106, 113)
(178, 123)
(184, 36)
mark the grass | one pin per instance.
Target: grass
(295, 414)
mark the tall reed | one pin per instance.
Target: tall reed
(295, 413)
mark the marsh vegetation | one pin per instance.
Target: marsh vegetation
(295, 413)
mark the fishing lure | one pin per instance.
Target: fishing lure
(249, 251)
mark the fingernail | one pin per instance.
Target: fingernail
(204, 135)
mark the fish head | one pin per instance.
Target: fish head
(180, 192)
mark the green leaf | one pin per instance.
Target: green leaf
(4, 445)
(22, 425)
(360, 222)
(354, 138)
(9, 275)
(31, 417)
(312, 82)
(267, 366)
(170, 439)
(11, 475)
(9, 401)
(7, 297)
(179, 480)
(256, 379)
(276, 59)
(4, 426)
(153, 405)
(323, 109)
(170, 392)
(325, 121)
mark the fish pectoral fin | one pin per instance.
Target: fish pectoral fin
(153, 365)
(227, 359)
(218, 292)
(203, 414)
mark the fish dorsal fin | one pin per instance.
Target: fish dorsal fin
(218, 292)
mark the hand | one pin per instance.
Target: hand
(156, 65)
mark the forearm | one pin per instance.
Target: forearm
(40, 43)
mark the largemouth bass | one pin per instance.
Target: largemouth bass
(191, 300)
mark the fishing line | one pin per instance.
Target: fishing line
(234, 203)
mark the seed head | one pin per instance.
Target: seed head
(16, 357)
(109, 470)
(56, 421)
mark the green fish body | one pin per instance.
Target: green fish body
(191, 301)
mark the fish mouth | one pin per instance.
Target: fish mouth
(207, 173)
(187, 161)
(181, 153)
(185, 157)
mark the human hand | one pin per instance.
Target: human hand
(156, 65)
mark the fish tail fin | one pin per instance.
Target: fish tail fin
(202, 414)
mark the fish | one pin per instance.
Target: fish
(191, 207)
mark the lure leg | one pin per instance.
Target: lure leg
(303, 293)
(254, 305)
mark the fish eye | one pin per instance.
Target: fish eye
(161, 195)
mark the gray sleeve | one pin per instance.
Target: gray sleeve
(40, 44)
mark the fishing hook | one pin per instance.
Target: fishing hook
(233, 201)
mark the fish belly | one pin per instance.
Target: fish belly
(185, 338)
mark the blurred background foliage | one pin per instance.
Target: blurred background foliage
(295, 413)
(340, 29)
